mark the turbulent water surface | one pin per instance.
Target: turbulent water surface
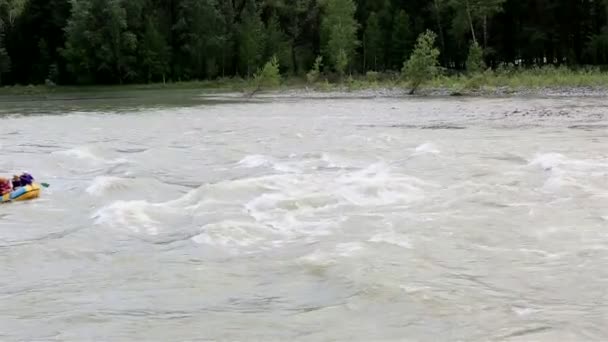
(309, 219)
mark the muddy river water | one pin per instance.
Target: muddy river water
(306, 219)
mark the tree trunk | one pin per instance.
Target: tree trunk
(413, 90)
(223, 63)
(485, 31)
(364, 56)
(294, 59)
(438, 17)
(468, 9)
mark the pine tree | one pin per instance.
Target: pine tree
(41, 68)
(10, 10)
(385, 17)
(277, 43)
(373, 43)
(300, 20)
(422, 65)
(5, 60)
(226, 37)
(251, 39)
(99, 45)
(198, 32)
(475, 63)
(401, 39)
(475, 12)
(155, 52)
(339, 32)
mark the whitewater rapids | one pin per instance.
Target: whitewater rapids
(307, 219)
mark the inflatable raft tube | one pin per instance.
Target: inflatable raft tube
(28, 192)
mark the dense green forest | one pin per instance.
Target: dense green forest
(139, 41)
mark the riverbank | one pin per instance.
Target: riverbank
(529, 82)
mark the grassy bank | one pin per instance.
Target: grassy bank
(519, 79)
(507, 80)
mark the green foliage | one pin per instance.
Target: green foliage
(341, 62)
(225, 39)
(475, 63)
(339, 32)
(401, 39)
(313, 75)
(53, 75)
(278, 43)
(509, 79)
(5, 60)
(372, 43)
(269, 76)
(597, 47)
(138, 41)
(476, 81)
(372, 76)
(299, 20)
(10, 10)
(198, 32)
(155, 52)
(423, 63)
(472, 13)
(99, 41)
(251, 38)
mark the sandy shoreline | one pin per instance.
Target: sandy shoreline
(72, 94)
(433, 92)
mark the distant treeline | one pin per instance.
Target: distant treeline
(128, 41)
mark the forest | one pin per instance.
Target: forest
(141, 41)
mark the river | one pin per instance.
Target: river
(180, 218)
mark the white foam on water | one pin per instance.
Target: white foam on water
(541, 253)
(281, 208)
(392, 238)
(305, 203)
(317, 258)
(231, 234)
(286, 167)
(376, 186)
(522, 312)
(80, 153)
(255, 160)
(102, 184)
(426, 148)
(409, 289)
(348, 249)
(90, 155)
(574, 174)
(292, 212)
(140, 216)
(327, 258)
(548, 161)
(333, 161)
(128, 214)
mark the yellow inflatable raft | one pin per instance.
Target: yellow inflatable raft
(25, 193)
